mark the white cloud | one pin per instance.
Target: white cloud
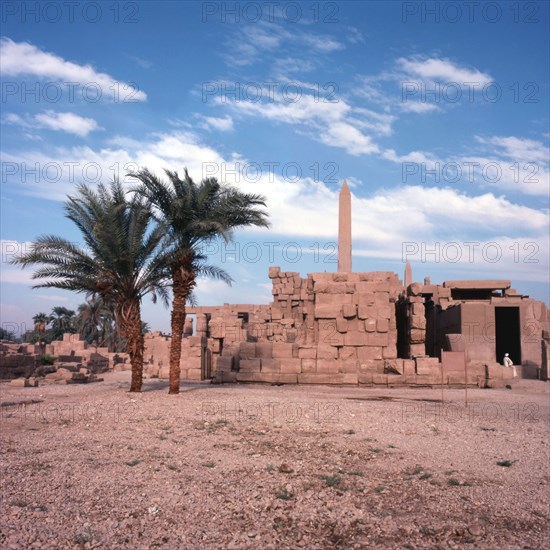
(333, 123)
(512, 164)
(19, 59)
(418, 107)
(404, 87)
(222, 124)
(343, 134)
(517, 149)
(436, 69)
(66, 122)
(256, 42)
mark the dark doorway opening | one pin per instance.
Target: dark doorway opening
(507, 331)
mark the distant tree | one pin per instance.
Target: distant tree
(6, 335)
(41, 321)
(95, 323)
(62, 321)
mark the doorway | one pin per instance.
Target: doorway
(507, 331)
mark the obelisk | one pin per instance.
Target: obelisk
(344, 229)
(408, 274)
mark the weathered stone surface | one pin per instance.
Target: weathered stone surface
(341, 325)
(327, 352)
(366, 353)
(309, 352)
(347, 352)
(308, 365)
(291, 366)
(249, 365)
(428, 366)
(282, 350)
(271, 365)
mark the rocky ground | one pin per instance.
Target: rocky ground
(253, 466)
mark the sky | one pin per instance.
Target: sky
(436, 113)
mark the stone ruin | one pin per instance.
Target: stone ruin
(75, 362)
(364, 328)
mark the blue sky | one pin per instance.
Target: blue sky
(438, 120)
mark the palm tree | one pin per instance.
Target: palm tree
(122, 262)
(94, 321)
(62, 321)
(192, 215)
(40, 321)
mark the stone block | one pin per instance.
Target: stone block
(418, 322)
(341, 325)
(365, 298)
(347, 352)
(428, 380)
(291, 366)
(336, 288)
(355, 339)
(314, 378)
(214, 345)
(365, 378)
(267, 377)
(309, 365)
(20, 383)
(328, 366)
(372, 366)
(376, 339)
(307, 352)
(373, 286)
(380, 379)
(194, 340)
(367, 353)
(274, 272)
(417, 349)
(326, 352)
(349, 311)
(370, 325)
(249, 365)
(428, 366)
(327, 312)
(264, 351)
(384, 312)
(382, 325)
(389, 352)
(282, 350)
(417, 336)
(60, 374)
(393, 366)
(345, 378)
(409, 367)
(270, 365)
(348, 366)
(225, 362)
(192, 352)
(381, 298)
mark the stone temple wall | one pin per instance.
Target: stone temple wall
(327, 328)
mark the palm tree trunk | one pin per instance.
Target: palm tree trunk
(135, 343)
(183, 282)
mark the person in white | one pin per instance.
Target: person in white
(508, 363)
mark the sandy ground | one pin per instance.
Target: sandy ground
(254, 466)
